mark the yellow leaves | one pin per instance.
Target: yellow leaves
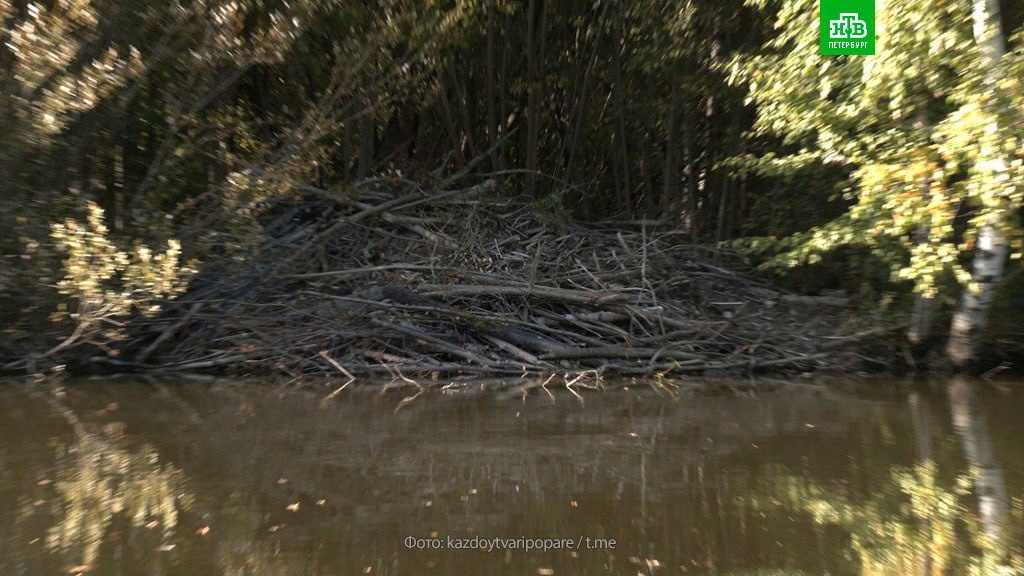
(44, 44)
(925, 136)
(826, 87)
(92, 258)
(106, 282)
(99, 479)
(929, 261)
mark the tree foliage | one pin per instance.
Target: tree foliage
(912, 126)
(184, 120)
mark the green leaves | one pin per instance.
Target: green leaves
(909, 522)
(916, 123)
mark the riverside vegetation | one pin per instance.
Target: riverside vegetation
(497, 187)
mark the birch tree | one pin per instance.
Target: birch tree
(928, 132)
(997, 190)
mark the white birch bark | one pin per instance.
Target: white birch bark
(971, 317)
(990, 485)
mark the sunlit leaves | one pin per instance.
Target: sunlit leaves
(107, 283)
(100, 479)
(47, 47)
(911, 521)
(917, 122)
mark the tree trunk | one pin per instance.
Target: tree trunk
(990, 253)
(503, 115)
(619, 94)
(709, 155)
(367, 136)
(726, 207)
(670, 177)
(921, 320)
(690, 173)
(532, 97)
(490, 91)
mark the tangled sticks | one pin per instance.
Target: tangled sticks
(391, 278)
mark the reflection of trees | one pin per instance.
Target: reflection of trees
(915, 524)
(109, 493)
(114, 500)
(921, 418)
(664, 479)
(972, 427)
(468, 467)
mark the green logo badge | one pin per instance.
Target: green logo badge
(847, 27)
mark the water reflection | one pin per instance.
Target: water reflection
(102, 501)
(99, 481)
(915, 524)
(136, 478)
(971, 425)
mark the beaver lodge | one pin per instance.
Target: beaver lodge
(389, 277)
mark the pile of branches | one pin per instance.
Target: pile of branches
(386, 276)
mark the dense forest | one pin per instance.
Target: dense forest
(153, 150)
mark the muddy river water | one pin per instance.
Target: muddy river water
(126, 477)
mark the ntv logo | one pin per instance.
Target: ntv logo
(849, 25)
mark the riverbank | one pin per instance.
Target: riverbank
(386, 277)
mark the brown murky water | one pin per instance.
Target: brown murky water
(241, 478)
